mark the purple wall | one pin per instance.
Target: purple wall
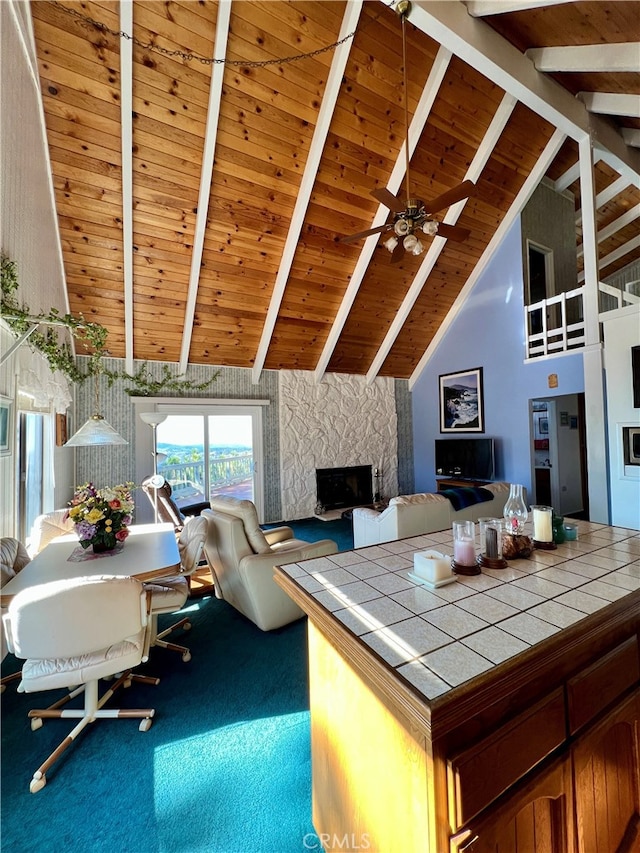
(488, 332)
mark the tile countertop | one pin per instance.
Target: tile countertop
(439, 639)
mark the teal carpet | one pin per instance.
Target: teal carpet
(225, 767)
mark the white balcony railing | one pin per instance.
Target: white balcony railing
(556, 324)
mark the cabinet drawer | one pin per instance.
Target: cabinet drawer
(481, 773)
(599, 685)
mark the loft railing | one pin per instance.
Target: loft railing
(556, 324)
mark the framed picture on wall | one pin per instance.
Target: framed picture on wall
(6, 405)
(461, 401)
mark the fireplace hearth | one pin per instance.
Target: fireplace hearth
(341, 488)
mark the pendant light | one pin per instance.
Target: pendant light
(96, 432)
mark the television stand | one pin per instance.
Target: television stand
(459, 482)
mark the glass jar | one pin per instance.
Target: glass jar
(464, 548)
(515, 509)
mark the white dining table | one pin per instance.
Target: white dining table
(150, 551)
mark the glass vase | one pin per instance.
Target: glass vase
(515, 510)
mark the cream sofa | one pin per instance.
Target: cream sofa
(410, 515)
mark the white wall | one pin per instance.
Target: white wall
(29, 227)
(621, 332)
(338, 422)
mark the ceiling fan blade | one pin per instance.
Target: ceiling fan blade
(388, 199)
(463, 190)
(453, 232)
(353, 237)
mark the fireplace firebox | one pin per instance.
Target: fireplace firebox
(339, 488)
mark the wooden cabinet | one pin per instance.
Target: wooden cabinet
(536, 818)
(605, 766)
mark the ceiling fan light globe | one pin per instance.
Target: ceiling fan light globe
(418, 249)
(410, 242)
(430, 228)
(390, 243)
(402, 227)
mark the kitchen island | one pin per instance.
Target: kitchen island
(499, 712)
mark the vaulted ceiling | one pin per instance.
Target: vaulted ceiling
(201, 204)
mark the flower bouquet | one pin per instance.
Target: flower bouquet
(102, 516)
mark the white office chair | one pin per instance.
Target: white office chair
(76, 632)
(170, 594)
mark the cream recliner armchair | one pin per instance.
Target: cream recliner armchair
(242, 558)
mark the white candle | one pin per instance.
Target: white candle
(464, 552)
(432, 566)
(542, 529)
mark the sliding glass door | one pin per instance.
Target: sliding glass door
(215, 452)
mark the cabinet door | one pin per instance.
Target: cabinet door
(607, 786)
(536, 818)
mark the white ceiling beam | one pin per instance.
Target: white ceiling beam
(204, 192)
(488, 52)
(571, 175)
(479, 8)
(631, 136)
(620, 252)
(605, 196)
(615, 226)
(588, 201)
(482, 155)
(420, 117)
(527, 189)
(325, 114)
(126, 141)
(587, 57)
(611, 104)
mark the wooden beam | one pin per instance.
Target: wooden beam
(631, 136)
(429, 94)
(126, 138)
(482, 155)
(332, 90)
(587, 57)
(571, 175)
(533, 179)
(607, 194)
(213, 115)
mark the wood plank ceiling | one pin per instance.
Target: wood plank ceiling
(206, 227)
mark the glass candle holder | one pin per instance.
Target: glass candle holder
(491, 555)
(543, 527)
(515, 509)
(464, 548)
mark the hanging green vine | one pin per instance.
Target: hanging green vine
(91, 336)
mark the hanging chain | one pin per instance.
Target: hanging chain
(88, 23)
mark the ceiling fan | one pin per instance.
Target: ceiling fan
(412, 216)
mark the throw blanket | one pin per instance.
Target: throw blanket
(467, 496)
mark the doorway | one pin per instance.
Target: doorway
(212, 450)
(558, 454)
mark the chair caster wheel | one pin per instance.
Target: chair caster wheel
(37, 784)
(127, 683)
(186, 657)
(36, 723)
(145, 724)
(186, 626)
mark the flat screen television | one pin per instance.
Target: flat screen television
(467, 458)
